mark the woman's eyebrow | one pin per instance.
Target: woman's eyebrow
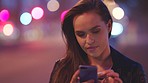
(78, 31)
(95, 27)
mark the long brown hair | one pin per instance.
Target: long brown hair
(75, 56)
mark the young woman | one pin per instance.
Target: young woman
(87, 27)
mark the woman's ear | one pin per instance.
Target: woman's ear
(109, 26)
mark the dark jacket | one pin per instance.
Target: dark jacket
(128, 70)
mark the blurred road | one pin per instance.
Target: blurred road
(29, 63)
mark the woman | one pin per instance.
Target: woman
(87, 27)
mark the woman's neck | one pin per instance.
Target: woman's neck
(103, 62)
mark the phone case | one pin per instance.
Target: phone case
(88, 73)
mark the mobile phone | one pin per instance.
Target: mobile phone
(88, 73)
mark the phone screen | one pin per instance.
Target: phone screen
(88, 73)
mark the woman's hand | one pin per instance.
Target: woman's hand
(109, 76)
(75, 77)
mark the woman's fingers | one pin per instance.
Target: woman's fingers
(111, 80)
(108, 73)
(75, 76)
(112, 74)
(118, 80)
(109, 76)
(89, 81)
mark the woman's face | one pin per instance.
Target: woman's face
(92, 34)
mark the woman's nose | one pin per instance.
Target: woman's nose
(90, 39)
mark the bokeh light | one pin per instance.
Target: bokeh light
(37, 13)
(1, 26)
(118, 13)
(117, 29)
(63, 14)
(53, 5)
(8, 29)
(9, 34)
(33, 35)
(26, 18)
(4, 15)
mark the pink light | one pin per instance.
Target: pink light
(4, 15)
(1, 26)
(63, 14)
(37, 13)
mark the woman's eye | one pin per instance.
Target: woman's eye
(95, 31)
(81, 34)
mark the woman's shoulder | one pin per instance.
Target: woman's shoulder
(58, 62)
(55, 68)
(123, 60)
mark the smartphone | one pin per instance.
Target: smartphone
(88, 73)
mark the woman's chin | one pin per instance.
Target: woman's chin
(93, 55)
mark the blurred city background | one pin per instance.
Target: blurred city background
(31, 40)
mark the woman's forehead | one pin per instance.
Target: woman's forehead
(87, 18)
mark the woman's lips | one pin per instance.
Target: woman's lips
(91, 48)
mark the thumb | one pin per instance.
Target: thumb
(74, 78)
